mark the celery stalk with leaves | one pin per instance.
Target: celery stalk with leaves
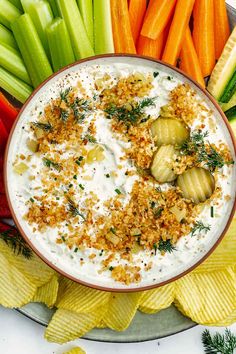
(86, 10)
(31, 49)
(8, 13)
(103, 27)
(59, 44)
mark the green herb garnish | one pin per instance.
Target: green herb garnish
(199, 227)
(113, 230)
(78, 161)
(74, 209)
(81, 186)
(79, 107)
(75, 176)
(64, 115)
(157, 213)
(166, 246)
(155, 248)
(107, 175)
(51, 164)
(111, 268)
(155, 74)
(63, 238)
(44, 126)
(219, 343)
(212, 212)
(64, 94)
(153, 204)
(14, 240)
(32, 200)
(90, 138)
(117, 191)
(76, 249)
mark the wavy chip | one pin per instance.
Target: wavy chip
(76, 350)
(47, 293)
(101, 324)
(81, 299)
(224, 255)
(16, 290)
(68, 325)
(155, 300)
(121, 310)
(34, 269)
(207, 297)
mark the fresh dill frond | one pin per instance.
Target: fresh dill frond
(166, 246)
(214, 159)
(44, 126)
(194, 144)
(74, 210)
(157, 212)
(199, 227)
(14, 240)
(64, 94)
(130, 113)
(79, 107)
(219, 343)
(64, 115)
(51, 164)
(90, 138)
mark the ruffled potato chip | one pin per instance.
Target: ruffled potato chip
(228, 321)
(81, 299)
(68, 325)
(76, 350)
(224, 255)
(207, 297)
(64, 284)
(16, 290)
(34, 269)
(121, 310)
(101, 324)
(157, 299)
(47, 293)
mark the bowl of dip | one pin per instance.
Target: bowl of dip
(120, 173)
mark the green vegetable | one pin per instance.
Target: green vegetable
(166, 246)
(31, 48)
(86, 11)
(231, 103)
(11, 60)
(219, 343)
(80, 42)
(16, 242)
(17, 3)
(59, 44)
(199, 227)
(54, 7)
(6, 37)
(26, 4)
(41, 16)
(8, 13)
(233, 124)
(16, 87)
(102, 27)
(224, 68)
(229, 90)
(231, 114)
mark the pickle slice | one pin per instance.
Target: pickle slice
(169, 131)
(161, 168)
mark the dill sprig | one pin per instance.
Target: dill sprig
(199, 227)
(219, 343)
(51, 164)
(130, 113)
(79, 107)
(44, 126)
(194, 144)
(90, 138)
(14, 240)
(64, 115)
(166, 246)
(74, 210)
(64, 94)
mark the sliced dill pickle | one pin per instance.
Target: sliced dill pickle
(162, 165)
(196, 184)
(169, 131)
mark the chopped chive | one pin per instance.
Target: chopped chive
(78, 161)
(32, 200)
(70, 185)
(113, 230)
(152, 204)
(155, 74)
(81, 186)
(57, 198)
(63, 238)
(169, 78)
(117, 191)
(76, 249)
(111, 268)
(212, 211)
(107, 175)
(155, 248)
(158, 212)
(100, 254)
(75, 176)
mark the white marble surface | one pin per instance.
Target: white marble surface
(19, 335)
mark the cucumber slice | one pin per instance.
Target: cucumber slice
(224, 68)
(233, 125)
(231, 113)
(229, 90)
(231, 103)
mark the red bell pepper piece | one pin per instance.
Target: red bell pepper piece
(3, 136)
(8, 112)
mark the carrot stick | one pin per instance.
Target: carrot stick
(189, 62)
(122, 35)
(157, 16)
(203, 34)
(177, 31)
(137, 9)
(221, 23)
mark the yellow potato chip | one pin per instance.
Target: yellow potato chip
(157, 299)
(68, 325)
(101, 325)
(228, 321)
(224, 255)
(207, 297)
(15, 289)
(121, 310)
(47, 293)
(80, 298)
(64, 284)
(34, 269)
(76, 350)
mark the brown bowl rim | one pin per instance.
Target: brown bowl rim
(39, 254)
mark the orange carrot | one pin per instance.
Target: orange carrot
(189, 62)
(221, 23)
(157, 16)
(137, 9)
(203, 34)
(177, 31)
(122, 35)
(151, 47)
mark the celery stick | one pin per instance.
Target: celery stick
(103, 37)
(11, 60)
(6, 37)
(26, 4)
(79, 38)
(54, 8)
(86, 10)
(8, 13)
(31, 49)
(59, 44)
(17, 4)
(17, 88)
(41, 15)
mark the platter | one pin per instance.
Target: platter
(144, 327)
